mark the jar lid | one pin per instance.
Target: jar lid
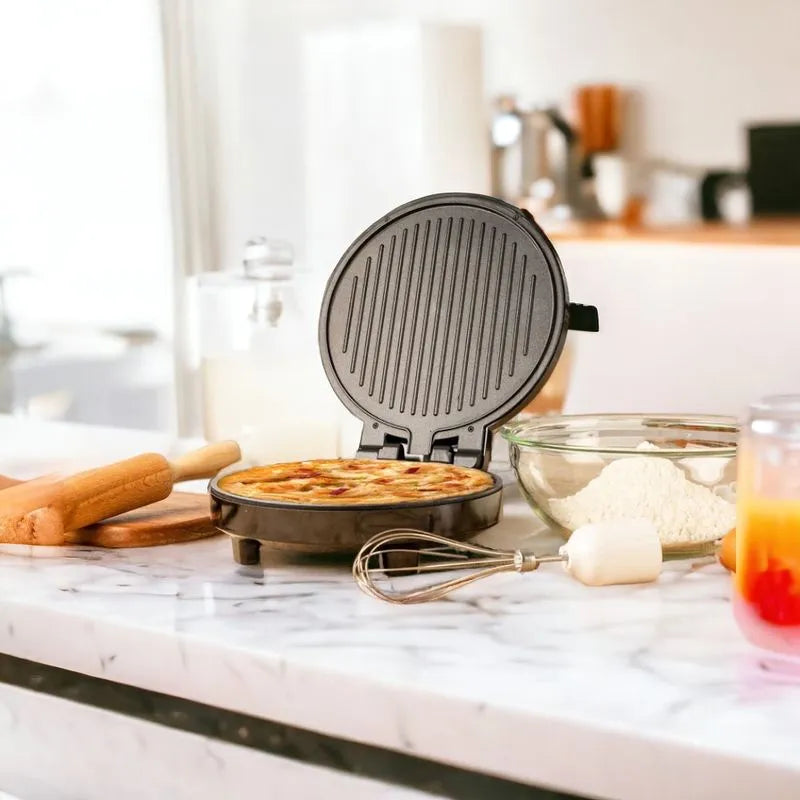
(263, 259)
(268, 259)
(441, 321)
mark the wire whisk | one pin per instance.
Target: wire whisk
(406, 551)
(597, 554)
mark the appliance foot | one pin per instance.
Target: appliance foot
(246, 551)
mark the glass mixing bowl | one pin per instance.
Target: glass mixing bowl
(566, 469)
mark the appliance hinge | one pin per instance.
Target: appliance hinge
(393, 452)
(470, 449)
(376, 443)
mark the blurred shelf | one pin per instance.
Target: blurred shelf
(784, 232)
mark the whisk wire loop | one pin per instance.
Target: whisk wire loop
(402, 551)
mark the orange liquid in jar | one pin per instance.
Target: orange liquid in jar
(767, 601)
(767, 582)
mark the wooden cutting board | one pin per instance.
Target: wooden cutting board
(182, 517)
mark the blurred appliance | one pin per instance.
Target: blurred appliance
(726, 196)
(96, 379)
(774, 173)
(75, 373)
(673, 195)
(710, 189)
(535, 159)
(734, 200)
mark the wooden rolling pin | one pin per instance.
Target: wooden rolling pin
(45, 510)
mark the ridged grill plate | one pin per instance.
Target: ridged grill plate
(442, 320)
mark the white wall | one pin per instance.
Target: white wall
(700, 69)
(683, 328)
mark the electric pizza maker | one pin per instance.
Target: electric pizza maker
(440, 322)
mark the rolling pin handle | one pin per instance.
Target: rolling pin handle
(205, 462)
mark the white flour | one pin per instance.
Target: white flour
(653, 489)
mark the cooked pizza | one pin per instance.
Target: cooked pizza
(355, 482)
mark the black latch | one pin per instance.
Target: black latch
(583, 318)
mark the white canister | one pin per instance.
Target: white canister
(612, 181)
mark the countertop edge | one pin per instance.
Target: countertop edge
(784, 233)
(536, 750)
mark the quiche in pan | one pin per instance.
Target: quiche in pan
(355, 482)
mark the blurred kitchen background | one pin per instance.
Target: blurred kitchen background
(144, 144)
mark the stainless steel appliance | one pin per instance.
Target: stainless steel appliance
(439, 323)
(535, 159)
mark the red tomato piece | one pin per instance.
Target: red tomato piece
(776, 597)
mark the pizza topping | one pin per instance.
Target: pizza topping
(355, 482)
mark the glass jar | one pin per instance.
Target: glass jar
(262, 378)
(767, 596)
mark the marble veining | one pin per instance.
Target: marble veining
(623, 692)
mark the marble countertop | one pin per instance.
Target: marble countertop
(619, 692)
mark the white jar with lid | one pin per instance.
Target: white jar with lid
(262, 379)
